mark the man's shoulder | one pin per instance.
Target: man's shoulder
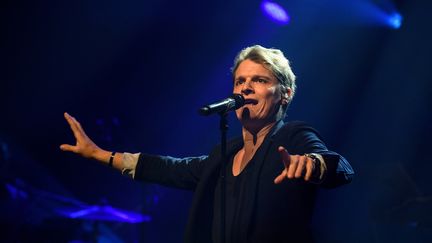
(295, 123)
(292, 128)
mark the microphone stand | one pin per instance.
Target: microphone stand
(222, 108)
(223, 126)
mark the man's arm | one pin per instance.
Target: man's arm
(180, 173)
(311, 160)
(183, 173)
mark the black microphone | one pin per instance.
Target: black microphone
(234, 102)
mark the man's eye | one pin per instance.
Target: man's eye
(239, 82)
(261, 80)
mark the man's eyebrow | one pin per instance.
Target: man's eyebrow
(261, 76)
(253, 77)
(238, 77)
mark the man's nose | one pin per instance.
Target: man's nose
(247, 87)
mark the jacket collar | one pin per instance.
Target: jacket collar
(237, 143)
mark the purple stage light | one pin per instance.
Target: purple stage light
(15, 192)
(395, 20)
(104, 213)
(275, 12)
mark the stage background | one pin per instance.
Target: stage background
(134, 74)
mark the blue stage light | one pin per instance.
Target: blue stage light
(275, 12)
(395, 20)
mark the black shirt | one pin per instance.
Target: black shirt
(234, 199)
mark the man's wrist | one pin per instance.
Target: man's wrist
(320, 167)
(102, 156)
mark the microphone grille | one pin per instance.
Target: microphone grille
(239, 100)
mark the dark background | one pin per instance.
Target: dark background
(134, 74)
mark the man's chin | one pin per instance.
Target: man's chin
(245, 114)
(249, 122)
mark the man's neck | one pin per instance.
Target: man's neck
(255, 138)
(252, 141)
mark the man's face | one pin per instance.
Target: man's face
(262, 94)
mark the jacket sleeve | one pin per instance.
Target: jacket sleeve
(305, 139)
(182, 173)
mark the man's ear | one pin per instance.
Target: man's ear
(286, 94)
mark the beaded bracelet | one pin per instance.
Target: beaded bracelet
(111, 160)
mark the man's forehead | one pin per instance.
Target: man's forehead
(251, 68)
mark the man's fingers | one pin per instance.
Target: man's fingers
(309, 168)
(67, 147)
(78, 126)
(300, 167)
(293, 166)
(75, 126)
(296, 166)
(285, 156)
(72, 124)
(286, 160)
(280, 177)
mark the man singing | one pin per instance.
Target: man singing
(273, 170)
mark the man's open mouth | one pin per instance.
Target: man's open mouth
(251, 101)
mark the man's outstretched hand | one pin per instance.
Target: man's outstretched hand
(296, 166)
(84, 145)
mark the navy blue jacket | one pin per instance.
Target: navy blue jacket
(274, 213)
